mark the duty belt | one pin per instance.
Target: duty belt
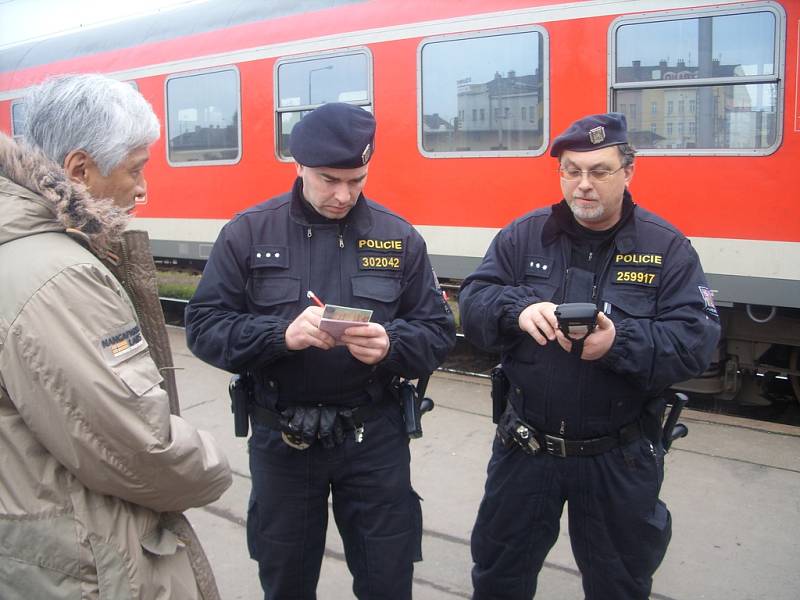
(532, 441)
(358, 415)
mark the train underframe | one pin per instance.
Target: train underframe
(759, 350)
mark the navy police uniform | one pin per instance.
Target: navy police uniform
(596, 424)
(253, 287)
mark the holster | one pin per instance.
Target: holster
(413, 403)
(131, 262)
(240, 391)
(500, 387)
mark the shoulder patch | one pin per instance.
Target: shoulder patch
(708, 300)
(119, 344)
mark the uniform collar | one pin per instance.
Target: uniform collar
(624, 238)
(359, 217)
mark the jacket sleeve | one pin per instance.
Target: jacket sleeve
(219, 328)
(490, 301)
(678, 342)
(423, 331)
(90, 394)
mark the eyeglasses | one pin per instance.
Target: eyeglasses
(593, 174)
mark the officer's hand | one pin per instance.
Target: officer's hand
(368, 343)
(539, 320)
(597, 343)
(304, 331)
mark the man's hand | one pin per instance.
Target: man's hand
(304, 331)
(539, 320)
(597, 343)
(368, 343)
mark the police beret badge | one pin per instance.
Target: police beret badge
(597, 135)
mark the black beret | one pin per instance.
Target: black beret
(591, 133)
(336, 135)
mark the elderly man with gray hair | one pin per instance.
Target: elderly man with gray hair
(95, 468)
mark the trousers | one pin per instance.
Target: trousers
(619, 528)
(377, 512)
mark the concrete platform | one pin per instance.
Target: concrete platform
(733, 487)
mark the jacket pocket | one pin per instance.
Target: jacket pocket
(382, 289)
(543, 290)
(112, 576)
(266, 289)
(139, 373)
(161, 542)
(631, 301)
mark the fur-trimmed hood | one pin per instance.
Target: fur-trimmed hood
(37, 196)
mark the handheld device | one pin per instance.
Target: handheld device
(576, 319)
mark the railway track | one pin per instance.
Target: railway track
(467, 360)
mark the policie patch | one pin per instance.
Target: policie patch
(122, 343)
(371, 245)
(639, 260)
(380, 262)
(635, 277)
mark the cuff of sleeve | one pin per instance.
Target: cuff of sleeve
(391, 333)
(275, 343)
(509, 322)
(618, 352)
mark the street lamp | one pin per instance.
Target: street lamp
(310, 73)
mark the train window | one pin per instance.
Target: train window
(303, 84)
(17, 119)
(502, 75)
(203, 118)
(713, 80)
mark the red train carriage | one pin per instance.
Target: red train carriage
(468, 95)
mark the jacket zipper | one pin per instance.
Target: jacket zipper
(603, 272)
(340, 238)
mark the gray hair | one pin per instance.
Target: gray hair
(104, 117)
(627, 153)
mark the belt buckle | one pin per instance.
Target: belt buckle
(294, 441)
(555, 446)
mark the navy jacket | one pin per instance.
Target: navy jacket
(255, 284)
(652, 287)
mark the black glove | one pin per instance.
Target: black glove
(331, 432)
(302, 422)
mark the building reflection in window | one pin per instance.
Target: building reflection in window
(496, 79)
(722, 67)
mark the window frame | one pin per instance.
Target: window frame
(778, 77)
(204, 163)
(545, 101)
(16, 135)
(279, 110)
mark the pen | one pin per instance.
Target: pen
(313, 297)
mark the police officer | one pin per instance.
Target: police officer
(325, 418)
(583, 417)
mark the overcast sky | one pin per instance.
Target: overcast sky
(24, 20)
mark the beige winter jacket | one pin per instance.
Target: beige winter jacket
(89, 453)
